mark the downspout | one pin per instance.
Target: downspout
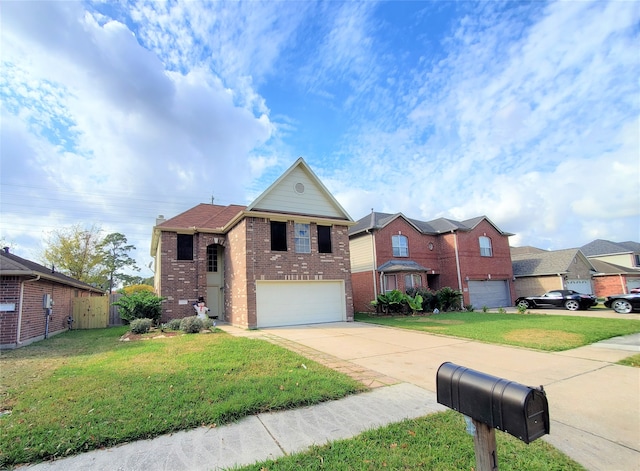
(375, 264)
(455, 245)
(19, 332)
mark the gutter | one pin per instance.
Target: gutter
(19, 330)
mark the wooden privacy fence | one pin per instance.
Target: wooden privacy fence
(91, 312)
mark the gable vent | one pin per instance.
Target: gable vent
(299, 188)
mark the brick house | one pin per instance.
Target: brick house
(23, 287)
(537, 271)
(617, 266)
(282, 260)
(392, 251)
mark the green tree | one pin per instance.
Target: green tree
(114, 251)
(75, 252)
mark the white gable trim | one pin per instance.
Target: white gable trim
(267, 201)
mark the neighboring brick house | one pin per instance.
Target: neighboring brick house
(282, 260)
(537, 271)
(392, 251)
(617, 266)
(23, 287)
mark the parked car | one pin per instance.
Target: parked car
(624, 303)
(567, 298)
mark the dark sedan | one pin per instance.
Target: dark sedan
(569, 299)
(624, 303)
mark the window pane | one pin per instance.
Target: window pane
(302, 238)
(212, 258)
(324, 239)
(390, 282)
(485, 247)
(279, 236)
(400, 246)
(185, 247)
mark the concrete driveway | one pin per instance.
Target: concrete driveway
(594, 404)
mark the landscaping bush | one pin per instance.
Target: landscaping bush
(140, 305)
(191, 325)
(140, 326)
(449, 299)
(173, 324)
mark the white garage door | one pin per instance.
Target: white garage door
(299, 302)
(581, 286)
(489, 293)
(632, 283)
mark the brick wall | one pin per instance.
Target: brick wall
(9, 293)
(363, 291)
(238, 253)
(179, 279)
(537, 285)
(33, 314)
(263, 264)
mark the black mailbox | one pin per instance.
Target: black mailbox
(508, 406)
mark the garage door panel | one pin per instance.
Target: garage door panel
(489, 293)
(282, 303)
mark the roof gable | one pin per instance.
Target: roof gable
(606, 247)
(299, 191)
(546, 262)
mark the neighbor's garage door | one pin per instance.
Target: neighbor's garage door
(489, 293)
(581, 286)
(299, 302)
(632, 283)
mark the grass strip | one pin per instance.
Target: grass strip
(436, 442)
(537, 331)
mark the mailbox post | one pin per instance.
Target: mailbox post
(492, 403)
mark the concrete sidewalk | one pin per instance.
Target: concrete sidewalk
(260, 437)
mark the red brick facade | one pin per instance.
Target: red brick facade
(248, 258)
(441, 254)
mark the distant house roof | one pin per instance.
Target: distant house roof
(525, 250)
(605, 268)
(545, 262)
(12, 265)
(605, 247)
(375, 221)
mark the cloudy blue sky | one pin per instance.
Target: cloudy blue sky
(526, 112)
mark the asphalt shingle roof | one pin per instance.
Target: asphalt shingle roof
(375, 220)
(606, 247)
(204, 216)
(13, 265)
(543, 263)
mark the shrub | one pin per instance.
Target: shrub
(173, 324)
(502, 311)
(469, 308)
(207, 323)
(139, 305)
(449, 299)
(140, 326)
(522, 309)
(191, 325)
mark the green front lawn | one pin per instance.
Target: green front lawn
(539, 331)
(83, 390)
(435, 443)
